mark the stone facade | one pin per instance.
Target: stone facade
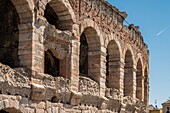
(70, 56)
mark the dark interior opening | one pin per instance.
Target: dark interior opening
(52, 64)
(9, 34)
(51, 16)
(54, 99)
(2, 111)
(83, 65)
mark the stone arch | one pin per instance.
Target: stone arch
(60, 14)
(128, 47)
(89, 59)
(139, 80)
(88, 23)
(128, 74)
(146, 86)
(25, 10)
(111, 37)
(21, 30)
(113, 65)
(139, 57)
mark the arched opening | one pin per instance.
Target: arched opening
(51, 16)
(9, 34)
(112, 65)
(52, 64)
(89, 58)
(139, 80)
(83, 66)
(128, 74)
(54, 99)
(146, 87)
(58, 14)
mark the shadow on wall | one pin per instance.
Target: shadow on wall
(10, 110)
(52, 64)
(9, 34)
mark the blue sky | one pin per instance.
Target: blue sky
(153, 16)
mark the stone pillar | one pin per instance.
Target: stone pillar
(38, 49)
(37, 60)
(74, 67)
(146, 91)
(31, 49)
(133, 95)
(102, 75)
(25, 45)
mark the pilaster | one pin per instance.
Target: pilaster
(102, 77)
(133, 95)
(38, 49)
(74, 68)
(25, 45)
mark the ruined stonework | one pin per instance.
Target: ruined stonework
(70, 56)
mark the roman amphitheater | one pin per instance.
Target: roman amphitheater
(70, 56)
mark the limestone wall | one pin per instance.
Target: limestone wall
(75, 55)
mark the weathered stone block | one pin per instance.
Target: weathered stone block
(41, 105)
(38, 92)
(24, 101)
(39, 110)
(35, 34)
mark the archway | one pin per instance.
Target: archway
(59, 14)
(9, 34)
(128, 74)
(51, 16)
(139, 80)
(89, 59)
(113, 65)
(146, 87)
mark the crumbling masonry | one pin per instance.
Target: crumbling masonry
(70, 56)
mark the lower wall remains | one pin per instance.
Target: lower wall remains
(42, 93)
